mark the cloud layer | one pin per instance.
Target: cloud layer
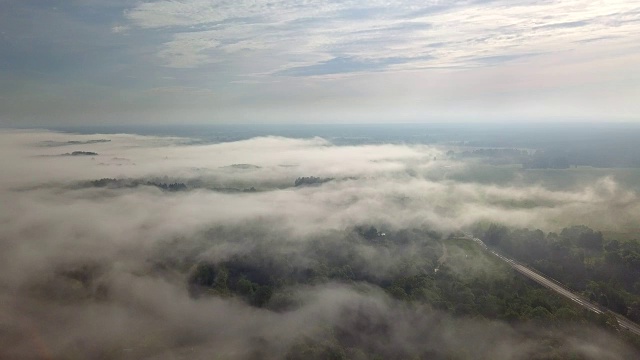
(322, 61)
(399, 34)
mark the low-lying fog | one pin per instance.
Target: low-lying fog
(237, 197)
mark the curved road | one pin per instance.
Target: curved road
(549, 283)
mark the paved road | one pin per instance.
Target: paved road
(623, 322)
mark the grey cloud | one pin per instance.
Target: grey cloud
(565, 25)
(342, 65)
(600, 38)
(500, 59)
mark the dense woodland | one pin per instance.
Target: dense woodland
(449, 274)
(605, 271)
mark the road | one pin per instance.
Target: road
(554, 285)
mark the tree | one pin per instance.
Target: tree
(495, 234)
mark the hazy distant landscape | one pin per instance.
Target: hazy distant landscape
(300, 247)
(288, 179)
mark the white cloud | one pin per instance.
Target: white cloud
(416, 34)
(189, 49)
(120, 29)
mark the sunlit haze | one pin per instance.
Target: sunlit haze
(312, 180)
(208, 61)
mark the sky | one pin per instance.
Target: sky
(84, 62)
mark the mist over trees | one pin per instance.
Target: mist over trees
(159, 249)
(311, 180)
(132, 183)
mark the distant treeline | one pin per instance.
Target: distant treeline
(311, 180)
(509, 153)
(160, 183)
(131, 183)
(73, 142)
(165, 184)
(81, 153)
